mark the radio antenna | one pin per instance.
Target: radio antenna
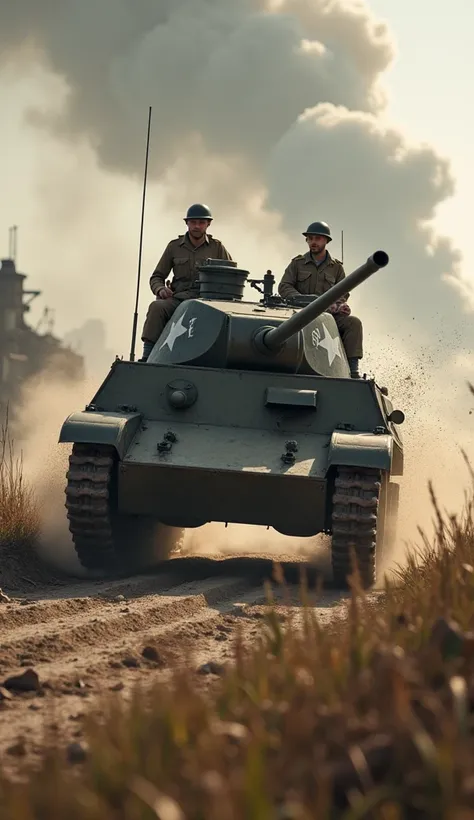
(12, 242)
(342, 247)
(135, 315)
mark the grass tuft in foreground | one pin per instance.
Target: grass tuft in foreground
(371, 718)
(19, 520)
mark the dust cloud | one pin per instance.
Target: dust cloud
(219, 541)
(438, 427)
(46, 403)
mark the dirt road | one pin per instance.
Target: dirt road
(89, 637)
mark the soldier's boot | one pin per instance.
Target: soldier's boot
(354, 367)
(147, 348)
(350, 328)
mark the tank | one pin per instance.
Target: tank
(245, 412)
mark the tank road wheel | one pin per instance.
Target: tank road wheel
(358, 518)
(104, 539)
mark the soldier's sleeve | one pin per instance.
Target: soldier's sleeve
(340, 274)
(162, 270)
(286, 287)
(223, 253)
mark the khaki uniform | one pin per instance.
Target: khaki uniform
(180, 256)
(304, 276)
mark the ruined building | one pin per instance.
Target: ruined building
(26, 351)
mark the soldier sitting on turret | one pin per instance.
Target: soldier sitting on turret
(180, 255)
(315, 272)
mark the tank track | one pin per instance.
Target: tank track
(89, 504)
(356, 500)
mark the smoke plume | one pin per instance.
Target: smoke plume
(236, 74)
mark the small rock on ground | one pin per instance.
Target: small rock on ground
(150, 653)
(27, 682)
(211, 668)
(76, 753)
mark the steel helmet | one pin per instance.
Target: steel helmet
(319, 229)
(198, 211)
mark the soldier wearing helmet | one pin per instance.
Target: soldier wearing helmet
(314, 273)
(180, 256)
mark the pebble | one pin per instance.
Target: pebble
(211, 668)
(27, 682)
(76, 753)
(150, 653)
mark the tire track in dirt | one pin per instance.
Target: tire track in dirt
(89, 638)
(72, 623)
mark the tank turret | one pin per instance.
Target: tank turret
(219, 329)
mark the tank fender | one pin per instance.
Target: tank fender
(94, 427)
(361, 450)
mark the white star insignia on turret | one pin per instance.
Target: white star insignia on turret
(331, 345)
(175, 332)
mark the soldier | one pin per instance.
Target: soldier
(315, 272)
(180, 255)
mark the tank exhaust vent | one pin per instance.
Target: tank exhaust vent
(221, 279)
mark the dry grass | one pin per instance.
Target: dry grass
(371, 719)
(19, 521)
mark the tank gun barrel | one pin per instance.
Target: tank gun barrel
(272, 339)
